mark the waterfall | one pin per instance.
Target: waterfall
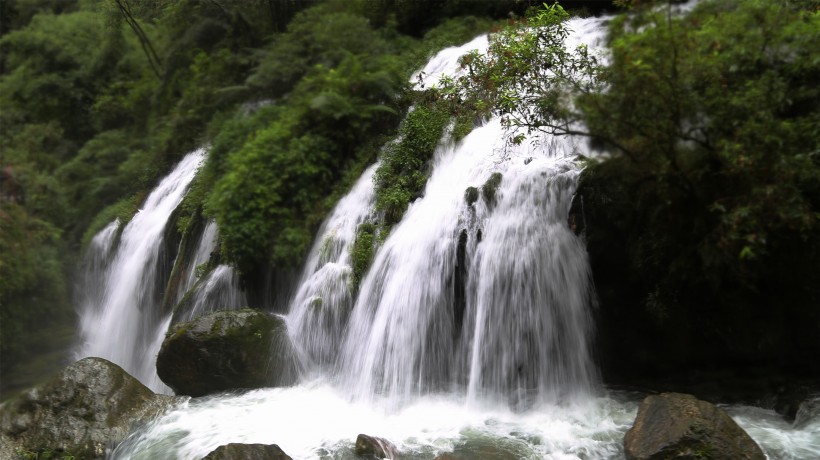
(207, 244)
(204, 291)
(467, 337)
(122, 322)
(492, 296)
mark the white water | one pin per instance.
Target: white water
(218, 291)
(123, 323)
(324, 299)
(514, 380)
(207, 244)
(526, 317)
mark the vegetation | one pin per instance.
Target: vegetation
(361, 254)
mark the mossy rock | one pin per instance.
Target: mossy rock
(83, 410)
(489, 189)
(247, 452)
(471, 195)
(226, 350)
(675, 425)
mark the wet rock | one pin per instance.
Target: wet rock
(247, 452)
(471, 195)
(373, 447)
(809, 413)
(490, 187)
(82, 411)
(226, 350)
(489, 449)
(675, 425)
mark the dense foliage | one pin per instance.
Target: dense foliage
(101, 97)
(703, 223)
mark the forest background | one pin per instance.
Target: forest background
(701, 222)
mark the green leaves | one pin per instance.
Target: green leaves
(403, 171)
(528, 75)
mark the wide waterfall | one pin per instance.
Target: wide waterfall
(469, 334)
(493, 295)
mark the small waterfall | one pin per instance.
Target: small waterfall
(323, 302)
(123, 323)
(203, 292)
(207, 244)
(218, 291)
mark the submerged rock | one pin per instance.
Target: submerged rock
(373, 447)
(808, 413)
(247, 452)
(226, 350)
(675, 425)
(85, 409)
(489, 449)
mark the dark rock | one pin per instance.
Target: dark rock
(490, 187)
(576, 219)
(471, 195)
(373, 447)
(808, 413)
(226, 350)
(247, 452)
(85, 409)
(675, 425)
(460, 282)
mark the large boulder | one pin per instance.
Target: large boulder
(247, 452)
(85, 409)
(678, 426)
(226, 350)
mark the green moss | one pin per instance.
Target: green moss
(316, 303)
(403, 172)
(44, 454)
(123, 210)
(490, 187)
(463, 125)
(361, 254)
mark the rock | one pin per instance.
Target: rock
(373, 447)
(88, 407)
(809, 413)
(471, 195)
(489, 188)
(247, 452)
(490, 449)
(226, 350)
(675, 425)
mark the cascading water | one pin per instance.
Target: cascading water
(201, 293)
(467, 335)
(207, 244)
(324, 299)
(524, 326)
(123, 323)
